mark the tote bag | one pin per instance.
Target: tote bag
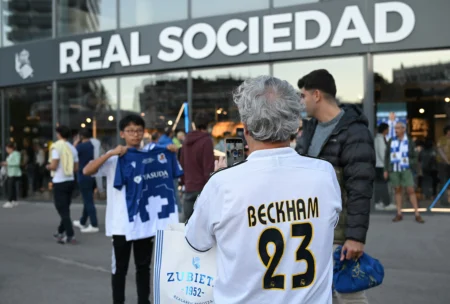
(180, 273)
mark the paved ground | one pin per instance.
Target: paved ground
(34, 269)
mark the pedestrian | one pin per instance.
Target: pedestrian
(63, 162)
(341, 136)
(13, 173)
(197, 161)
(401, 157)
(272, 216)
(381, 188)
(117, 219)
(429, 166)
(86, 183)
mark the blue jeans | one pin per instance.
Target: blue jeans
(87, 192)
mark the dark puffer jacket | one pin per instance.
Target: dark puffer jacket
(350, 149)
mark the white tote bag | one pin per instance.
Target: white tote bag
(180, 273)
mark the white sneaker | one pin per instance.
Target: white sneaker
(8, 205)
(379, 207)
(390, 207)
(15, 204)
(90, 229)
(78, 225)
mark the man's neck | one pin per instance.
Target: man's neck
(401, 137)
(85, 140)
(328, 113)
(257, 145)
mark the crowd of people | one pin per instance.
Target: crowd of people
(325, 170)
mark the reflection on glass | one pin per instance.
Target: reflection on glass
(26, 21)
(86, 16)
(421, 80)
(29, 126)
(204, 8)
(29, 114)
(282, 3)
(157, 98)
(142, 12)
(91, 104)
(347, 72)
(213, 93)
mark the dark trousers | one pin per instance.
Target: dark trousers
(142, 250)
(188, 204)
(62, 193)
(11, 185)
(89, 210)
(381, 187)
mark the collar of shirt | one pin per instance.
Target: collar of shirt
(276, 152)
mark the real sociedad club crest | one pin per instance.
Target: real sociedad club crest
(196, 262)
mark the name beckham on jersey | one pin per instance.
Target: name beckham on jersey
(283, 211)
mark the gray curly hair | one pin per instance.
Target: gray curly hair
(269, 107)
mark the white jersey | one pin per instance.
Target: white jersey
(272, 219)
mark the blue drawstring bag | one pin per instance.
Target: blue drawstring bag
(352, 276)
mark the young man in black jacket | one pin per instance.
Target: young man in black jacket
(341, 136)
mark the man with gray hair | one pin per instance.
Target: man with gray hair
(271, 216)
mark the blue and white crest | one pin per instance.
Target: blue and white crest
(196, 262)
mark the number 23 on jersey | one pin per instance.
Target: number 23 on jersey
(273, 235)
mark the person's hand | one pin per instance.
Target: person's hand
(386, 175)
(4, 163)
(48, 167)
(220, 164)
(119, 150)
(172, 148)
(352, 250)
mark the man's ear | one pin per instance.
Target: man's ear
(246, 130)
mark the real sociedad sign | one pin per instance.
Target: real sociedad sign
(175, 41)
(332, 28)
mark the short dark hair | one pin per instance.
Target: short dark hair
(446, 129)
(11, 146)
(131, 119)
(85, 133)
(382, 127)
(319, 80)
(64, 132)
(201, 120)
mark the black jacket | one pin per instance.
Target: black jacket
(350, 149)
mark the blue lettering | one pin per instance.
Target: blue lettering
(209, 280)
(190, 276)
(196, 276)
(170, 275)
(202, 276)
(178, 277)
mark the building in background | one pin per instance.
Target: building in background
(87, 63)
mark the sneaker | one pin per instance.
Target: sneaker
(8, 205)
(379, 207)
(390, 207)
(15, 204)
(58, 236)
(78, 225)
(398, 218)
(67, 240)
(419, 219)
(90, 229)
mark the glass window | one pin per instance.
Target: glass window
(141, 12)
(92, 104)
(213, 93)
(347, 72)
(204, 8)
(282, 3)
(29, 126)
(26, 21)
(81, 16)
(416, 87)
(158, 98)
